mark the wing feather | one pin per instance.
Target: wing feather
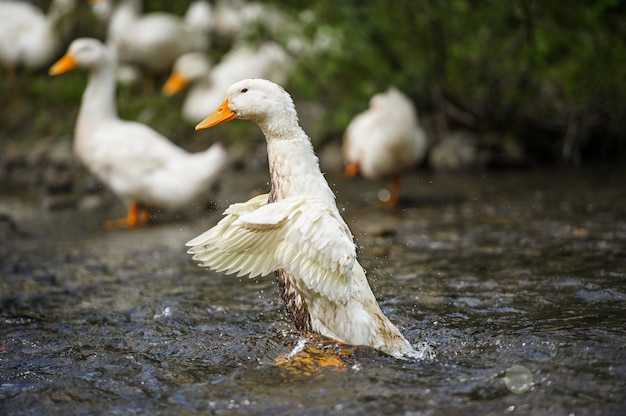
(304, 236)
(233, 246)
(318, 249)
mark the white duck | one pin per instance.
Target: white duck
(152, 41)
(139, 165)
(237, 19)
(206, 86)
(192, 70)
(29, 37)
(199, 14)
(295, 231)
(385, 140)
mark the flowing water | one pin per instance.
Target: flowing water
(516, 281)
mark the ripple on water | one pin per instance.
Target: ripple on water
(518, 290)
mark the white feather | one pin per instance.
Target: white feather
(299, 232)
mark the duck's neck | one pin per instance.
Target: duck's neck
(294, 167)
(98, 102)
(125, 14)
(60, 9)
(127, 10)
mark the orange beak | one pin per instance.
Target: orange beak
(222, 115)
(66, 63)
(174, 83)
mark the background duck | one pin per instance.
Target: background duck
(199, 14)
(138, 164)
(153, 41)
(295, 230)
(206, 86)
(28, 37)
(385, 140)
(236, 20)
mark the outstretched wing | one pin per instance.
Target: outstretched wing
(233, 247)
(306, 237)
(318, 250)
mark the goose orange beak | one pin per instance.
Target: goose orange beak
(66, 63)
(222, 115)
(174, 83)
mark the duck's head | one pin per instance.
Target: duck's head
(257, 100)
(188, 68)
(86, 53)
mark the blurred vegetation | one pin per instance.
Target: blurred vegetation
(550, 74)
(545, 76)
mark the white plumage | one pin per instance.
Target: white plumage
(153, 41)
(295, 230)
(238, 19)
(207, 85)
(292, 229)
(199, 14)
(385, 140)
(28, 36)
(138, 164)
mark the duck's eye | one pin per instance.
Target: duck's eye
(243, 90)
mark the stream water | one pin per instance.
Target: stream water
(515, 279)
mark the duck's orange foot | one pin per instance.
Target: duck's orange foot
(314, 352)
(137, 215)
(352, 170)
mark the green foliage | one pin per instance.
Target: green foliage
(529, 69)
(534, 64)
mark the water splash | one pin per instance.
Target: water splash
(422, 351)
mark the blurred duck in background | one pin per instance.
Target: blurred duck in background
(237, 19)
(267, 60)
(139, 165)
(29, 37)
(199, 14)
(385, 141)
(153, 41)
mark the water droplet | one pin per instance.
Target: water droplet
(518, 379)
(384, 195)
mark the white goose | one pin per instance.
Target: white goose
(152, 41)
(29, 37)
(206, 86)
(385, 140)
(295, 231)
(139, 165)
(192, 70)
(238, 19)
